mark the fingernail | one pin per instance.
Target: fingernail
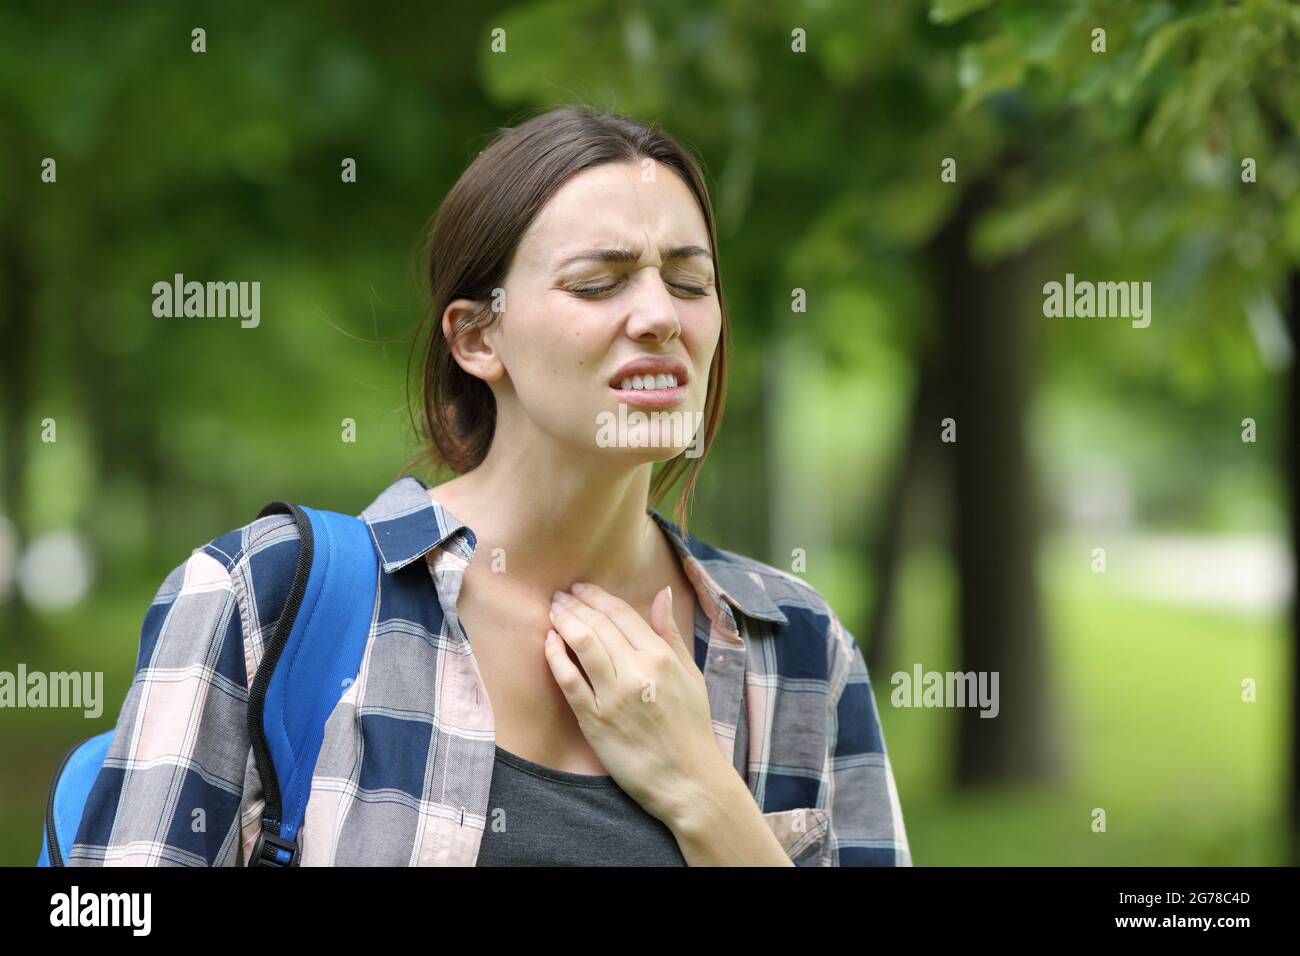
(577, 588)
(560, 598)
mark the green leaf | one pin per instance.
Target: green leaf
(1161, 42)
(992, 66)
(950, 11)
(1025, 221)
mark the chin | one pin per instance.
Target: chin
(649, 434)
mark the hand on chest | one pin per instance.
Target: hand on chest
(531, 716)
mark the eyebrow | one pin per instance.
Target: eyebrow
(623, 254)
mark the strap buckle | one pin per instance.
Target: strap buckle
(269, 850)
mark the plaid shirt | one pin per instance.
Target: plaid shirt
(404, 771)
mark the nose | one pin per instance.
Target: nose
(653, 309)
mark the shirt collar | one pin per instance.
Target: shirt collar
(406, 524)
(725, 573)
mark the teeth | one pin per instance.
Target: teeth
(645, 382)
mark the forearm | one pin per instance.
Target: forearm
(719, 824)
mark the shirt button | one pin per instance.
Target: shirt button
(719, 658)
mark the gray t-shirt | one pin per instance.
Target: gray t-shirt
(539, 816)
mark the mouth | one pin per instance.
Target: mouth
(646, 383)
(651, 397)
(651, 381)
(650, 391)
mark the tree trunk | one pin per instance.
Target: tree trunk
(889, 543)
(1000, 631)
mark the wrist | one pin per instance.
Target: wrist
(717, 822)
(707, 800)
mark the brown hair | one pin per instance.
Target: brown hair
(472, 241)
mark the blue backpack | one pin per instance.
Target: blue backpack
(322, 630)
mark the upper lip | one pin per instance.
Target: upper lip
(651, 365)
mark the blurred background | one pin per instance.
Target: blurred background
(1113, 529)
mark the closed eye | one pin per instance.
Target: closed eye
(692, 289)
(596, 292)
(592, 292)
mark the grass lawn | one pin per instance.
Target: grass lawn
(1155, 733)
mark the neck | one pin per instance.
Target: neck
(557, 520)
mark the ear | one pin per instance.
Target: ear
(475, 350)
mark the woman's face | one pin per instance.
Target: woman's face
(615, 268)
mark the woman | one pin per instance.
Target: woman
(556, 674)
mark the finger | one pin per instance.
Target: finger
(575, 687)
(665, 624)
(590, 649)
(617, 644)
(624, 616)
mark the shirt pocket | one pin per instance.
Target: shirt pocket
(801, 832)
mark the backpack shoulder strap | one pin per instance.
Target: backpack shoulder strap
(315, 651)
